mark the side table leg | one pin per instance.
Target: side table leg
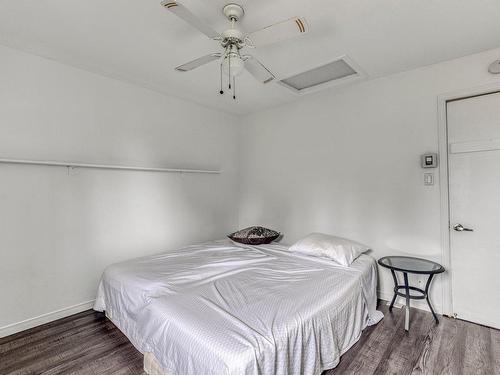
(407, 310)
(427, 298)
(395, 290)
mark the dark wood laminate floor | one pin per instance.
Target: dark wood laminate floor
(88, 343)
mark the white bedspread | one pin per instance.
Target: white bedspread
(221, 308)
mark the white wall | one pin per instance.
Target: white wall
(346, 162)
(57, 230)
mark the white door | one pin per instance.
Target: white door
(474, 174)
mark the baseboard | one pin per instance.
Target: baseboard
(418, 304)
(45, 318)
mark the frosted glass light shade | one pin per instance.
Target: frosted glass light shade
(237, 64)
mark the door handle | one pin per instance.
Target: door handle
(461, 228)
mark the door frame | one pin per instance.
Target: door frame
(444, 183)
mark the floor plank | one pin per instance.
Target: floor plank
(85, 343)
(368, 352)
(406, 347)
(477, 356)
(495, 348)
(88, 343)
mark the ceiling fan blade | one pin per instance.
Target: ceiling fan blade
(198, 62)
(182, 12)
(279, 31)
(259, 71)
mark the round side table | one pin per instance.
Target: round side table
(408, 265)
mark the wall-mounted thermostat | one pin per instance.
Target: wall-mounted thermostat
(429, 161)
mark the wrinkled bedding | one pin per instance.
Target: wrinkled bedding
(224, 308)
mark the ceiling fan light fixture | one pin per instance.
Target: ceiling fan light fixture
(232, 63)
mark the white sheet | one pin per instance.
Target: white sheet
(221, 308)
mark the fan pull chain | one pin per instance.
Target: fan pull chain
(221, 90)
(234, 88)
(229, 65)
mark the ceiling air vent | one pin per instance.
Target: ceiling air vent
(335, 72)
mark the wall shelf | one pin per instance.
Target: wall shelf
(106, 166)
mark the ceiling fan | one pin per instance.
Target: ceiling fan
(233, 40)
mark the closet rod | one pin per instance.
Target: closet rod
(105, 166)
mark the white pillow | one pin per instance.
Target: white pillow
(340, 250)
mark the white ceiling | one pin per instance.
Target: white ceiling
(141, 42)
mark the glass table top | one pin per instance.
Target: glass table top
(410, 264)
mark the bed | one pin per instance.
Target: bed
(225, 308)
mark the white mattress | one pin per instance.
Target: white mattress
(222, 308)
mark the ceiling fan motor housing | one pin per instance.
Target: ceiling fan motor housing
(232, 36)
